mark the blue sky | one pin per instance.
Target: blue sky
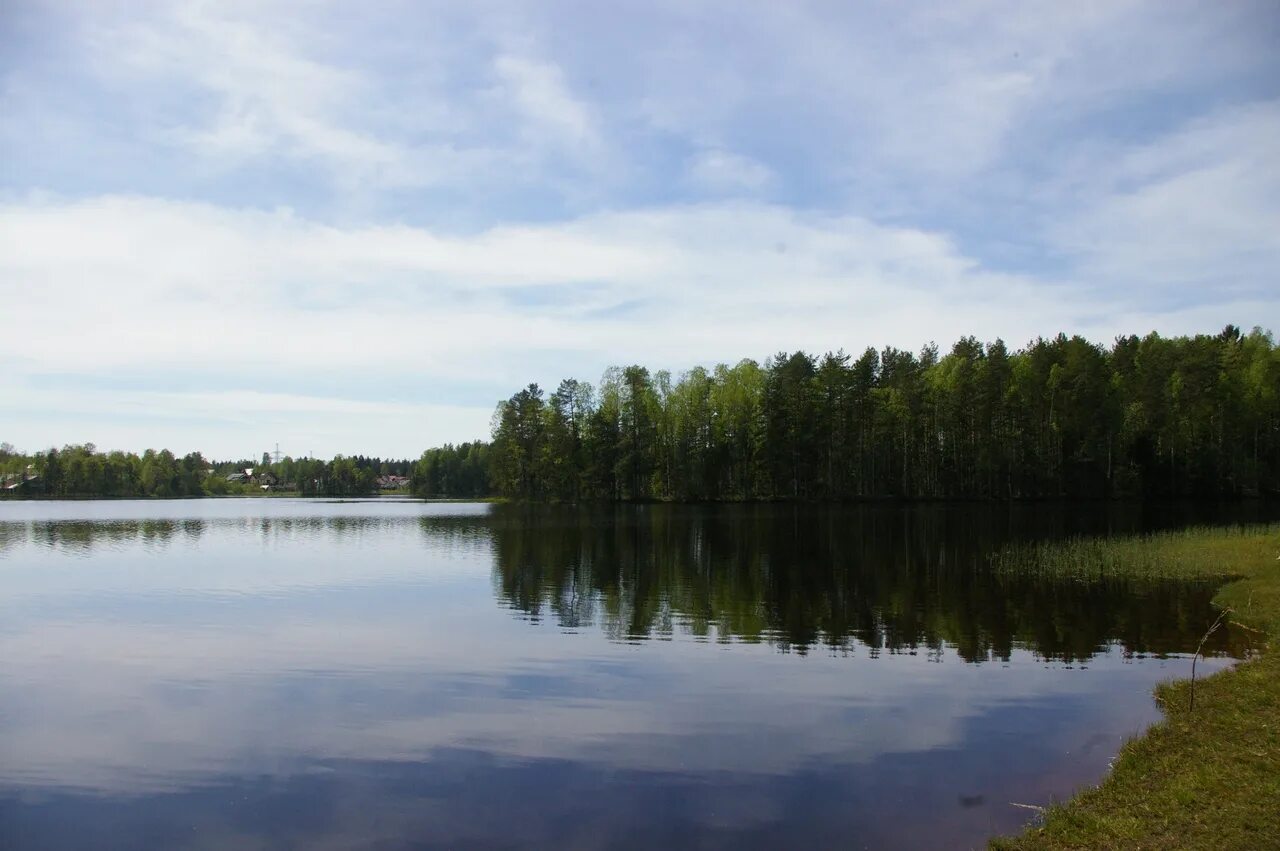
(350, 229)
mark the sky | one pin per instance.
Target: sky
(355, 228)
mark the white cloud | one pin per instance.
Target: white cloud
(720, 170)
(239, 85)
(539, 91)
(1199, 207)
(138, 286)
(718, 281)
(269, 97)
(901, 108)
(232, 423)
(906, 91)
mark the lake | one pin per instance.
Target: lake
(272, 673)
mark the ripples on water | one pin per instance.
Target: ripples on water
(274, 673)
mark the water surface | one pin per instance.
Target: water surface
(271, 673)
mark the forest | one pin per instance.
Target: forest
(1153, 416)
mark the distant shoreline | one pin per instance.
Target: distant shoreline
(1160, 499)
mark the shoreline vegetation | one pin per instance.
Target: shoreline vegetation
(82, 472)
(1060, 418)
(1208, 775)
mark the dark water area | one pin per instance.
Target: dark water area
(381, 674)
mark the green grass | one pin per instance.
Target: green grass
(1208, 778)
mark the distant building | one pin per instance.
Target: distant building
(390, 483)
(18, 482)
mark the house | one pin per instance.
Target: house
(18, 482)
(389, 483)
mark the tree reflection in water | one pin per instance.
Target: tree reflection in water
(799, 577)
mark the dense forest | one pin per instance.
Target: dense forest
(82, 471)
(1061, 417)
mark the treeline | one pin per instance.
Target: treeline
(457, 472)
(82, 471)
(1062, 417)
(343, 475)
(1152, 416)
(288, 467)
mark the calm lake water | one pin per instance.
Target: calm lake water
(379, 674)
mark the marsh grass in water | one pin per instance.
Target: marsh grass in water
(1205, 777)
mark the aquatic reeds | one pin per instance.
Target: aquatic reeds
(1194, 553)
(1207, 776)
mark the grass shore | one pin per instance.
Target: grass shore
(1207, 777)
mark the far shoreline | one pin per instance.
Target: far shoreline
(885, 501)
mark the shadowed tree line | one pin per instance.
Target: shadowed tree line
(1063, 417)
(840, 578)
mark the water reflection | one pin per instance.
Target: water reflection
(82, 536)
(896, 581)
(888, 580)
(230, 674)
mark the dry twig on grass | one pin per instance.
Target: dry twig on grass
(1212, 629)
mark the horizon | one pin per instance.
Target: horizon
(223, 226)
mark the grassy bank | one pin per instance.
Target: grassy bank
(1202, 778)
